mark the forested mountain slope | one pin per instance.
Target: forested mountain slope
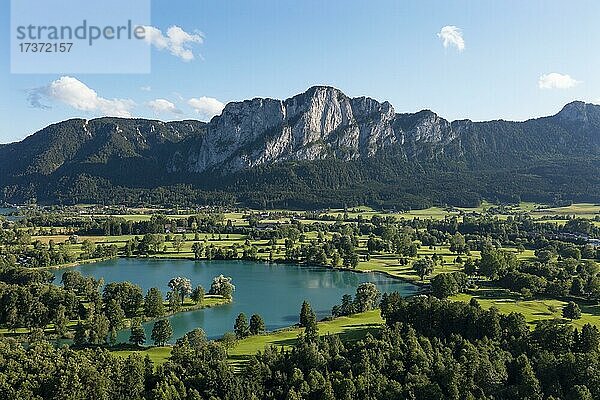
(319, 148)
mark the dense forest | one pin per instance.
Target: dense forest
(382, 183)
(431, 349)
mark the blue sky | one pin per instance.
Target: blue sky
(521, 59)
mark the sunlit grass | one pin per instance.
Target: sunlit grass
(534, 310)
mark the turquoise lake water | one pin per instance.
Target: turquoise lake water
(275, 291)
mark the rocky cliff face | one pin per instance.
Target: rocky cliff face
(324, 123)
(318, 148)
(577, 111)
(320, 123)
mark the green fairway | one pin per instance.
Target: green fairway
(157, 354)
(352, 327)
(534, 310)
(349, 328)
(428, 213)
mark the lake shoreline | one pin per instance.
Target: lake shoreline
(220, 301)
(203, 305)
(420, 284)
(76, 263)
(288, 284)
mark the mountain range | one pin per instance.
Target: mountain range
(320, 148)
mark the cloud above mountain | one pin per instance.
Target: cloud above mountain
(71, 92)
(163, 106)
(206, 107)
(554, 80)
(76, 94)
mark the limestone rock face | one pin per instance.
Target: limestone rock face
(576, 111)
(320, 123)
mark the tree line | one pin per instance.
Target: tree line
(428, 349)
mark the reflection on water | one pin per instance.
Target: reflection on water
(6, 213)
(274, 291)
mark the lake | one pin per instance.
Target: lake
(275, 291)
(7, 210)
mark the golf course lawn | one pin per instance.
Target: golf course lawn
(534, 310)
(349, 328)
(357, 326)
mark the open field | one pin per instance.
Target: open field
(388, 264)
(368, 213)
(583, 210)
(534, 310)
(352, 327)
(157, 354)
(239, 219)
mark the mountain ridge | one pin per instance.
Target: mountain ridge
(315, 129)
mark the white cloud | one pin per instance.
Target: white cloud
(207, 107)
(146, 88)
(452, 36)
(76, 94)
(160, 106)
(554, 80)
(177, 41)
